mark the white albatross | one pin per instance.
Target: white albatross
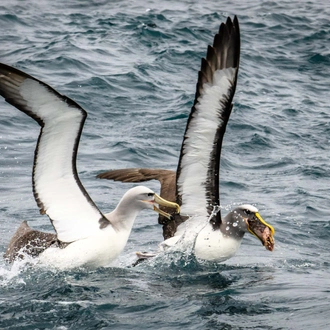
(84, 236)
(195, 184)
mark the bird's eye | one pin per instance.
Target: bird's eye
(150, 194)
(248, 212)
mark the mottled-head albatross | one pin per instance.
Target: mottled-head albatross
(195, 184)
(84, 236)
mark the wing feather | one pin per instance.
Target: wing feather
(198, 168)
(165, 177)
(56, 185)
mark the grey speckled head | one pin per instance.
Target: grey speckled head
(246, 218)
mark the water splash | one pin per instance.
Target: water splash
(185, 245)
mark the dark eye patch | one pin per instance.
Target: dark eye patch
(248, 212)
(150, 194)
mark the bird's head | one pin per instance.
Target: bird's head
(145, 198)
(249, 220)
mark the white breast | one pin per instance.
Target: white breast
(95, 251)
(213, 246)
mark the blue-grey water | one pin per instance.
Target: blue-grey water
(133, 66)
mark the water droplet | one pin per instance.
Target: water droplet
(235, 224)
(227, 228)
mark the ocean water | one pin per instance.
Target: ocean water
(133, 66)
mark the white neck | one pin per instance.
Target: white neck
(123, 216)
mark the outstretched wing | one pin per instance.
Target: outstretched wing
(165, 177)
(197, 176)
(56, 186)
(198, 168)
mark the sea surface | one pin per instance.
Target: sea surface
(133, 66)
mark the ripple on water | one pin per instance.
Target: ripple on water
(133, 66)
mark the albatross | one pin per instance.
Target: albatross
(84, 236)
(195, 184)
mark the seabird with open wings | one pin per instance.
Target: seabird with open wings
(195, 184)
(84, 236)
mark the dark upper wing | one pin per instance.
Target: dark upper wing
(198, 168)
(165, 177)
(56, 186)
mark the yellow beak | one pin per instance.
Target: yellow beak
(164, 202)
(265, 237)
(265, 223)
